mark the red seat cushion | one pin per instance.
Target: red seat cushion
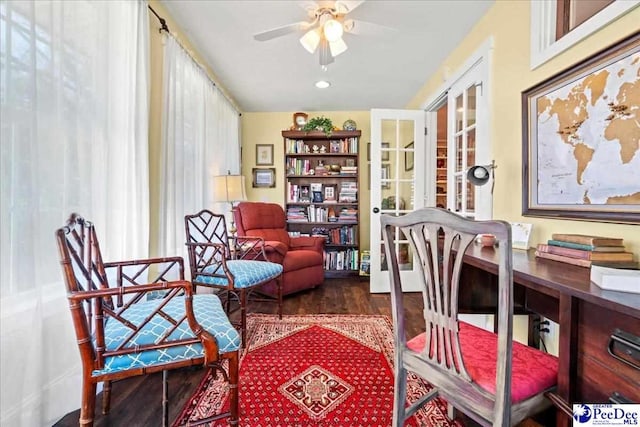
(532, 371)
(296, 260)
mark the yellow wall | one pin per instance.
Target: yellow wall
(508, 22)
(266, 128)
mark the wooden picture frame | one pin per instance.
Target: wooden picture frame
(579, 157)
(330, 193)
(408, 157)
(384, 155)
(264, 177)
(264, 154)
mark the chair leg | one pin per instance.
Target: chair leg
(400, 394)
(88, 406)
(165, 398)
(233, 388)
(106, 397)
(279, 282)
(243, 316)
(227, 303)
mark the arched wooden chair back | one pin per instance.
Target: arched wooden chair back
(485, 375)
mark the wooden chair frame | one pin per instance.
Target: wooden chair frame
(209, 246)
(438, 239)
(92, 301)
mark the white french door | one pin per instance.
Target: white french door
(398, 171)
(467, 146)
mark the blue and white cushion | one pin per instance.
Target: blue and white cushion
(246, 273)
(208, 312)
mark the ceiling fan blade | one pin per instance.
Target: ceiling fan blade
(355, 26)
(345, 6)
(282, 31)
(310, 7)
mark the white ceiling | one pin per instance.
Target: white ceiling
(382, 69)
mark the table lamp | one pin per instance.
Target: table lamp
(229, 188)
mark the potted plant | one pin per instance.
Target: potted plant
(321, 123)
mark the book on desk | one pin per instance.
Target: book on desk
(616, 279)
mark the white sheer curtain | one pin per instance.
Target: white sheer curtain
(74, 122)
(200, 139)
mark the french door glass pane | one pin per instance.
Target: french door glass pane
(459, 112)
(471, 147)
(397, 178)
(471, 106)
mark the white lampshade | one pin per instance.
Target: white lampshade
(337, 47)
(332, 30)
(310, 40)
(229, 188)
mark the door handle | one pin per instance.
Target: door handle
(376, 210)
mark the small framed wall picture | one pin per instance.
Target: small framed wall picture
(264, 154)
(264, 177)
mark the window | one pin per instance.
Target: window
(571, 13)
(581, 17)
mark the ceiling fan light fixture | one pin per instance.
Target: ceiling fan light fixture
(332, 30)
(322, 84)
(310, 40)
(337, 47)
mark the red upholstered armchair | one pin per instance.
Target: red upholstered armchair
(301, 257)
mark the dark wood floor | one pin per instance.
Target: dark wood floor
(137, 401)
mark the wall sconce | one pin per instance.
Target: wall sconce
(480, 174)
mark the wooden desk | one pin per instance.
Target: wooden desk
(586, 314)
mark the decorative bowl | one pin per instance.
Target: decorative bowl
(334, 168)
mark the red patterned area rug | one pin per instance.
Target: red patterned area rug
(321, 370)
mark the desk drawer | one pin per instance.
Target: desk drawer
(600, 374)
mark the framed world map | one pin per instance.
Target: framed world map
(581, 139)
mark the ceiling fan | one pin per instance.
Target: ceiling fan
(328, 24)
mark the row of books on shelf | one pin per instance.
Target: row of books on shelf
(299, 166)
(306, 167)
(339, 146)
(341, 260)
(314, 213)
(585, 250)
(345, 235)
(318, 193)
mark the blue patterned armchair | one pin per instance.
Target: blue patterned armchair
(131, 319)
(236, 268)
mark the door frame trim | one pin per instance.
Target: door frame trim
(480, 55)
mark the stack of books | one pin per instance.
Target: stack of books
(349, 170)
(348, 192)
(584, 250)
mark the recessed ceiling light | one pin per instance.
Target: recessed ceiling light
(322, 84)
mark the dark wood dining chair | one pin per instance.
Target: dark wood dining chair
(139, 317)
(235, 266)
(487, 376)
